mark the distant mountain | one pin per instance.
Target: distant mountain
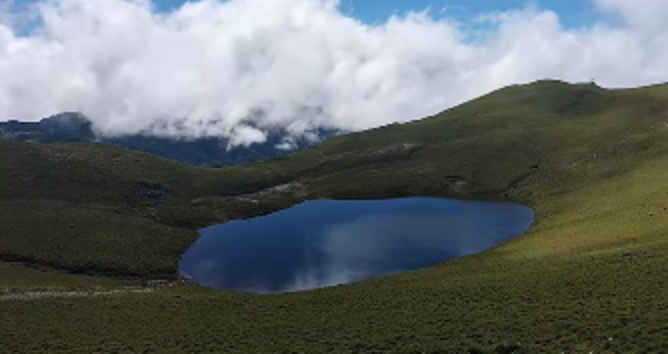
(208, 152)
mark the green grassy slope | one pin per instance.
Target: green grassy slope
(588, 277)
(558, 136)
(99, 209)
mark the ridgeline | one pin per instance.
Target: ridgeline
(72, 127)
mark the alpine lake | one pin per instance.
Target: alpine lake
(325, 243)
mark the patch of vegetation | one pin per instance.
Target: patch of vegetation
(589, 277)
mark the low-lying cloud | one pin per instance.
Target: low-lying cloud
(238, 67)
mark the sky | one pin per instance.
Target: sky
(239, 68)
(572, 12)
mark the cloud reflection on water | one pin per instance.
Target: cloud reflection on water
(342, 242)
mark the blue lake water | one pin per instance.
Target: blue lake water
(324, 243)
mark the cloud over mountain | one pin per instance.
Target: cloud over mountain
(234, 68)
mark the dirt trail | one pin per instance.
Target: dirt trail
(46, 294)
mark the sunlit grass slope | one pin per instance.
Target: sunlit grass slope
(590, 276)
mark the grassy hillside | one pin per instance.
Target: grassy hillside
(588, 277)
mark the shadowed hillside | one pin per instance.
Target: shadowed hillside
(588, 277)
(203, 151)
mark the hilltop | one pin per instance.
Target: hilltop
(588, 277)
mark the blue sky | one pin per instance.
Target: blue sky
(573, 13)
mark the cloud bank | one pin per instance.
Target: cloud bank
(239, 67)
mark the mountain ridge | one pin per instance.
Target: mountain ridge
(69, 127)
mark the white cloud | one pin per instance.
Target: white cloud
(647, 15)
(222, 68)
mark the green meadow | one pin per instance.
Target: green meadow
(90, 237)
